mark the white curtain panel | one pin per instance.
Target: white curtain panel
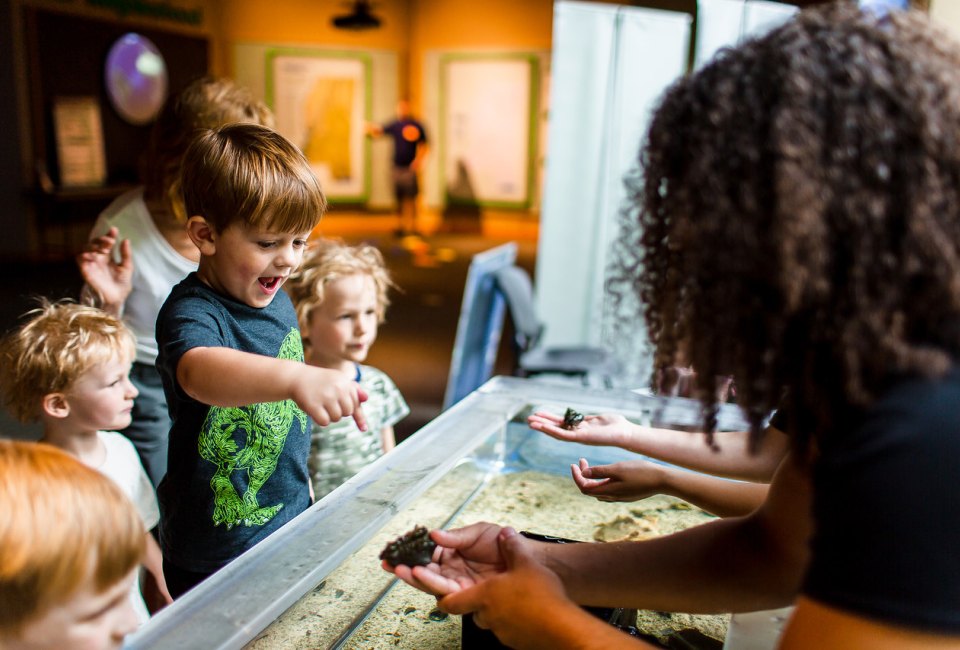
(724, 23)
(610, 63)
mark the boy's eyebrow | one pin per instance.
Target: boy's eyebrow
(106, 607)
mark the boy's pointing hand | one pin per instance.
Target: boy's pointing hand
(358, 415)
(328, 395)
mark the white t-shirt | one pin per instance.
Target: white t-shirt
(122, 465)
(157, 267)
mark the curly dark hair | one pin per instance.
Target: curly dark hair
(798, 202)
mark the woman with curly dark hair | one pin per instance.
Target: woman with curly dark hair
(800, 230)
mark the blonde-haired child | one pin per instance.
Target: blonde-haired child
(67, 366)
(71, 544)
(341, 298)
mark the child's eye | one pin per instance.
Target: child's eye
(300, 243)
(266, 244)
(107, 608)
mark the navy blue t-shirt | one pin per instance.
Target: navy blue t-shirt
(886, 509)
(234, 475)
(407, 134)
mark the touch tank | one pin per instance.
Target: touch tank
(317, 582)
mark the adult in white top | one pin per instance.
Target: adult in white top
(139, 248)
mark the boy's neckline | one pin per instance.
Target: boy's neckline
(88, 447)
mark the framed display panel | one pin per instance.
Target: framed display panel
(78, 130)
(321, 103)
(488, 133)
(480, 325)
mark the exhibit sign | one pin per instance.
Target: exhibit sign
(321, 103)
(78, 129)
(489, 110)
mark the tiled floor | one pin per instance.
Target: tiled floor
(414, 345)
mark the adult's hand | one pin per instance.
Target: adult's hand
(522, 602)
(110, 281)
(598, 430)
(463, 558)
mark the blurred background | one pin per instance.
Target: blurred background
(533, 110)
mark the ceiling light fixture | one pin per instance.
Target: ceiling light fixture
(360, 18)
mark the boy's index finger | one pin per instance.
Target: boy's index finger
(359, 418)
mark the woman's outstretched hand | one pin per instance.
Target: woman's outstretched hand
(597, 430)
(625, 481)
(463, 558)
(494, 574)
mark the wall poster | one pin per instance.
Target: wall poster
(78, 130)
(321, 102)
(489, 108)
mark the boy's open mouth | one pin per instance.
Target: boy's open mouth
(271, 283)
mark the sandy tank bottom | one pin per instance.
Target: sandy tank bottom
(338, 610)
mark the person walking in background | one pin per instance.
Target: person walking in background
(409, 150)
(340, 295)
(139, 246)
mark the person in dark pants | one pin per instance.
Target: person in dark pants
(409, 150)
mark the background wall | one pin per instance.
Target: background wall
(406, 50)
(51, 48)
(414, 36)
(947, 13)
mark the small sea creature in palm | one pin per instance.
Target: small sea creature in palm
(412, 549)
(571, 419)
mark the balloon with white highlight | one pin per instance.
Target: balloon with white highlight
(136, 78)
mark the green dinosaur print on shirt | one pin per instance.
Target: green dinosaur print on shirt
(266, 426)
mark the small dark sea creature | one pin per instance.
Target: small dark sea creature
(412, 549)
(571, 419)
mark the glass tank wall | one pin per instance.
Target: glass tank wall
(317, 582)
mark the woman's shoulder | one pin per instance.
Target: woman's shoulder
(919, 403)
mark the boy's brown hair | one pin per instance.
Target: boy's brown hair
(62, 523)
(250, 174)
(328, 260)
(58, 343)
(206, 103)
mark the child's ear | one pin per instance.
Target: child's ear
(55, 405)
(202, 234)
